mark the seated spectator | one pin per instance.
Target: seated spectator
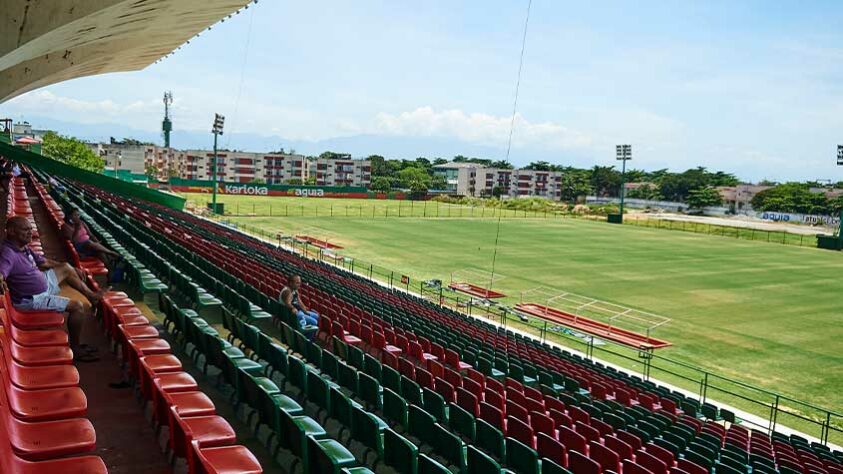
(86, 245)
(290, 297)
(34, 284)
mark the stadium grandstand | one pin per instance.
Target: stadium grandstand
(387, 382)
(191, 363)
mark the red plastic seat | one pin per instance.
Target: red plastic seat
(452, 358)
(50, 439)
(690, 467)
(631, 467)
(27, 320)
(42, 377)
(549, 447)
(156, 364)
(33, 337)
(46, 404)
(624, 450)
(608, 459)
(446, 390)
(650, 462)
(661, 453)
(521, 431)
(579, 464)
(572, 440)
(338, 331)
(208, 431)
(38, 356)
(224, 460)
(189, 403)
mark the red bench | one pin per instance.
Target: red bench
(592, 327)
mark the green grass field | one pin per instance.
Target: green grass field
(767, 314)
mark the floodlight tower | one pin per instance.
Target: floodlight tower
(167, 124)
(840, 163)
(219, 121)
(624, 153)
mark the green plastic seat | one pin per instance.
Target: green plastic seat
(391, 379)
(434, 404)
(297, 375)
(395, 408)
(372, 366)
(477, 462)
(399, 453)
(295, 430)
(410, 391)
(490, 439)
(521, 458)
(420, 425)
(342, 407)
(449, 446)
(486, 368)
(550, 467)
(330, 365)
(369, 391)
(318, 393)
(461, 421)
(426, 465)
(355, 357)
(327, 456)
(366, 429)
(348, 377)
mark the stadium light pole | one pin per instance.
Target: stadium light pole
(623, 153)
(840, 163)
(219, 121)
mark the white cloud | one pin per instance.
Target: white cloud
(45, 102)
(481, 128)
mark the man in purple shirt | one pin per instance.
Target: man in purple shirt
(33, 282)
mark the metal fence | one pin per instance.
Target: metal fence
(379, 209)
(773, 409)
(744, 233)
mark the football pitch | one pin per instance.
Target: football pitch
(767, 314)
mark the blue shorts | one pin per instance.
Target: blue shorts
(48, 300)
(84, 249)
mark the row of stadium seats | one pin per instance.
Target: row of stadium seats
(196, 433)
(42, 408)
(603, 415)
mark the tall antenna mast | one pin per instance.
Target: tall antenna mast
(167, 124)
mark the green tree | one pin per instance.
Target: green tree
(416, 179)
(605, 180)
(647, 191)
(575, 183)
(498, 191)
(380, 184)
(294, 181)
(257, 181)
(71, 151)
(676, 187)
(310, 181)
(704, 197)
(792, 197)
(151, 172)
(539, 166)
(502, 164)
(379, 167)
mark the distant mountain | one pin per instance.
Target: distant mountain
(358, 145)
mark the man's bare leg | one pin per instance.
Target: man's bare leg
(66, 273)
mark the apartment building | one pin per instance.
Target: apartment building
(471, 179)
(246, 167)
(340, 172)
(126, 157)
(234, 166)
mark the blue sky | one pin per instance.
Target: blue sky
(754, 88)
